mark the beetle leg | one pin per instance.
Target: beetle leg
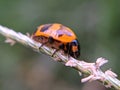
(43, 44)
(55, 52)
(50, 40)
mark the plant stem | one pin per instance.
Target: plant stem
(91, 69)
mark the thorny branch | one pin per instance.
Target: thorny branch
(91, 69)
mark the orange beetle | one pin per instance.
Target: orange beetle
(59, 37)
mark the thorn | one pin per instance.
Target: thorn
(28, 34)
(108, 86)
(101, 61)
(80, 73)
(10, 41)
(110, 73)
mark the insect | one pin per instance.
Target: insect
(59, 37)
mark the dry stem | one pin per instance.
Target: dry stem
(91, 69)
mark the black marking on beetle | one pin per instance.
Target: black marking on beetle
(63, 31)
(45, 27)
(60, 35)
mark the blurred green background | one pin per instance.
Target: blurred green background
(96, 23)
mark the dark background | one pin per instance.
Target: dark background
(96, 24)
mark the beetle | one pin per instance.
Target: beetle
(59, 37)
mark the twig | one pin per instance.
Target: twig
(91, 69)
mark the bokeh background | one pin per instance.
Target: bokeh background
(96, 23)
